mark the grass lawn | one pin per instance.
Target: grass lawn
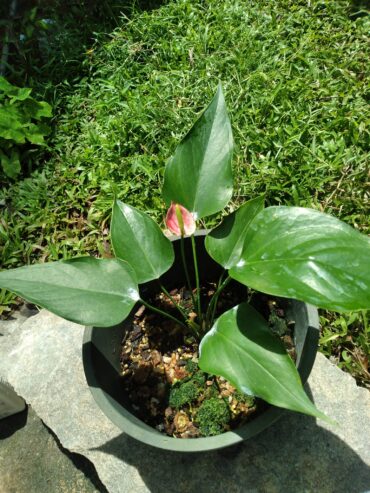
(295, 76)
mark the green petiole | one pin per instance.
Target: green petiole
(213, 304)
(175, 304)
(161, 312)
(193, 246)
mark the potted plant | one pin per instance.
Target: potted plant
(103, 362)
(288, 252)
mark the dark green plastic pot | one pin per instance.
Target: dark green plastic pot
(101, 358)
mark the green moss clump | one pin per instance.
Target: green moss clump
(212, 416)
(191, 366)
(183, 393)
(198, 379)
(277, 324)
(210, 391)
(249, 400)
(196, 376)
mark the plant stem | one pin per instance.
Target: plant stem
(193, 246)
(210, 305)
(215, 297)
(181, 310)
(193, 326)
(182, 244)
(161, 312)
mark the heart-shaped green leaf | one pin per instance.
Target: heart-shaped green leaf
(85, 290)
(241, 348)
(305, 254)
(225, 243)
(137, 239)
(199, 175)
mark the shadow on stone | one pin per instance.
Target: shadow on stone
(33, 460)
(8, 426)
(81, 462)
(294, 455)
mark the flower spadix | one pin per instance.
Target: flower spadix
(179, 220)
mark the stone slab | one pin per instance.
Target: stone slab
(32, 461)
(7, 327)
(42, 360)
(10, 402)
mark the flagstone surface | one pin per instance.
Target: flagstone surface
(41, 358)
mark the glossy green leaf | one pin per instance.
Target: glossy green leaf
(137, 239)
(241, 348)
(225, 243)
(304, 254)
(199, 175)
(85, 290)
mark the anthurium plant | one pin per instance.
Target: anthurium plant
(289, 252)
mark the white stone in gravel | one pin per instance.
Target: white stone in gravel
(41, 359)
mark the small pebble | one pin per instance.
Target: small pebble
(140, 311)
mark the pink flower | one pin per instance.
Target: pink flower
(175, 212)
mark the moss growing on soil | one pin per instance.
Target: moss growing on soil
(191, 366)
(187, 390)
(183, 393)
(167, 388)
(277, 324)
(212, 416)
(197, 376)
(199, 379)
(249, 400)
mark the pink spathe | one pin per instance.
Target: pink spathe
(172, 222)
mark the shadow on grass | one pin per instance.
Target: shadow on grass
(359, 8)
(48, 45)
(293, 455)
(48, 41)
